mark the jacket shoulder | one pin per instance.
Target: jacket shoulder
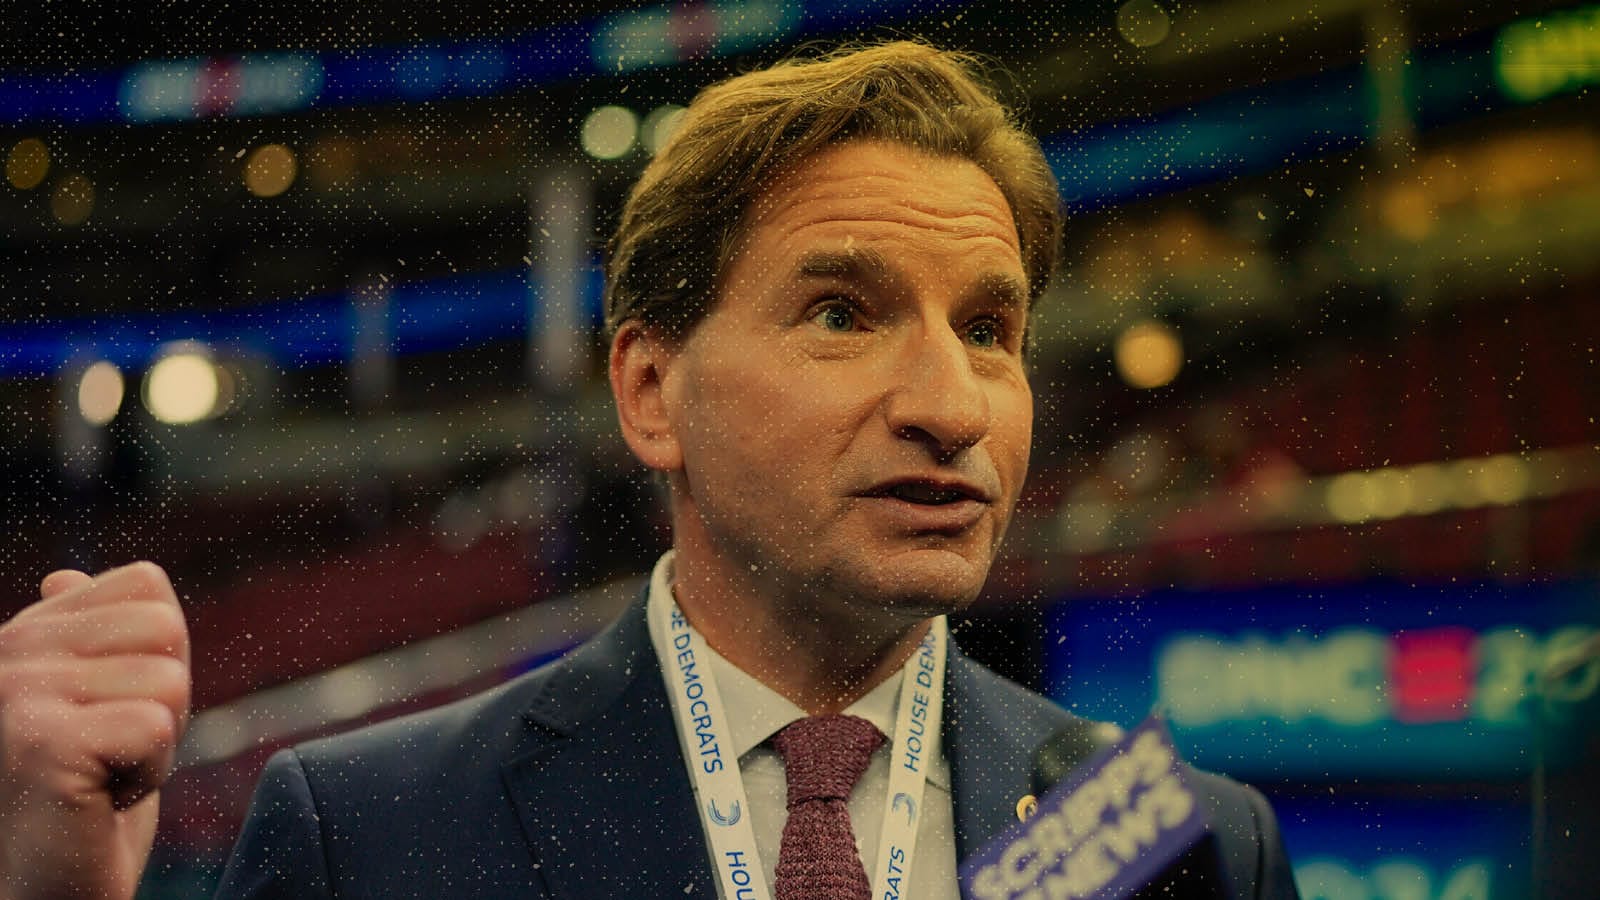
(422, 805)
(499, 723)
(1245, 829)
(487, 724)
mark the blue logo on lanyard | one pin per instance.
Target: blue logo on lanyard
(904, 799)
(717, 815)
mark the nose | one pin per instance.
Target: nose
(939, 400)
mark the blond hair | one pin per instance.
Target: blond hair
(681, 219)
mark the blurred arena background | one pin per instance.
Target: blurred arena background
(303, 303)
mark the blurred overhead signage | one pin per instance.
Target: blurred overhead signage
(1552, 54)
(275, 83)
(1237, 133)
(669, 34)
(422, 317)
(1379, 680)
(247, 85)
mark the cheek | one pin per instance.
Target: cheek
(1013, 433)
(745, 417)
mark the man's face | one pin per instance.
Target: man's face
(853, 413)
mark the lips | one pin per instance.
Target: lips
(932, 513)
(915, 492)
(926, 491)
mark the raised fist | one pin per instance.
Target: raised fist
(94, 695)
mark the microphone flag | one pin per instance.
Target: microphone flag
(1105, 831)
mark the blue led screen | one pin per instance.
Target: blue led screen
(1382, 680)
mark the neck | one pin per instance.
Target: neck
(819, 653)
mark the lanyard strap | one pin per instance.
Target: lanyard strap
(916, 722)
(714, 768)
(708, 749)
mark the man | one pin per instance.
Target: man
(818, 296)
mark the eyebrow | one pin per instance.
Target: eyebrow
(1007, 289)
(856, 262)
(866, 262)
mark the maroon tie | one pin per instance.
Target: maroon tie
(823, 757)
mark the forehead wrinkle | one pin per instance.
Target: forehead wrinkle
(977, 221)
(887, 196)
(864, 259)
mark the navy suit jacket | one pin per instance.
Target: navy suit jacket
(569, 782)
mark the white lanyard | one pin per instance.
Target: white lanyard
(916, 722)
(724, 809)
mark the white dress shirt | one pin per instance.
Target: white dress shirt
(756, 712)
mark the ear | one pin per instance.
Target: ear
(639, 357)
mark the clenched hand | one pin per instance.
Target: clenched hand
(94, 695)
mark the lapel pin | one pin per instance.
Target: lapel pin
(1026, 807)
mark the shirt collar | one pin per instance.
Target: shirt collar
(757, 712)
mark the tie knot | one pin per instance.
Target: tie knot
(824, 756)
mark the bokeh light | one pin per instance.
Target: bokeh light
(184, 386)
(27, 164)
(609, 132)
(1347, 498)
(270, 170)
(659, 126)
(72, 200)
(100, 392)
(1502, 479)
(1148, 354)
(1143, 23)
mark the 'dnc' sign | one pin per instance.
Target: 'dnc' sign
(1435, 682)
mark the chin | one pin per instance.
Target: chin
(923, 583)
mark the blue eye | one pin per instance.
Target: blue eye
(835, 316)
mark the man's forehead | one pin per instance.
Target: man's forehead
(877, 182)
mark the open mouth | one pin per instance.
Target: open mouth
(930, 492)
(927, 494)
(930, 506)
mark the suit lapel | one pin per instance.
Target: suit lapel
(600, 785)
(992, 729)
